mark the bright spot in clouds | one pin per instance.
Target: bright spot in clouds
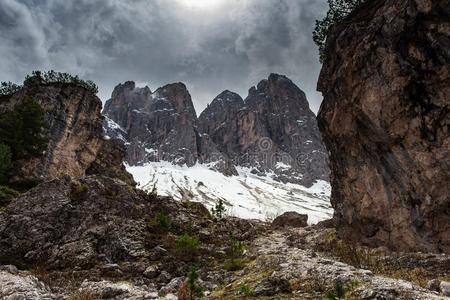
(202, 4)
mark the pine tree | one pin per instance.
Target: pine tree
(338, 11)
(5, 162)
(23, 129)
(219, 209)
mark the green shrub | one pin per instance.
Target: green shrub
(219, 210)
(338, 11)
(161, 221)
(5, 162)
(244, 290)
(194, 290)
(24, 129)
(234, 264)
(235, 252)
(187, 246)
(337, 292)
(78, 191)
(7, 195)
(37, 77)
(235, 248)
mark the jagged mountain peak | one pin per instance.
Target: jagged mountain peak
(178, 95)
(129, 87)
(123, 87)
(280, 91)
(227, 98)
(276, 112)
(221, 106)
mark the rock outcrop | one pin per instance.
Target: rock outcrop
(75, 135)
(92, 220)
(71, 222)
(272, 130)
(109, 162)
(385, 120)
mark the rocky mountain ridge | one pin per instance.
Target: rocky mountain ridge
(159, 126)
(271, 131)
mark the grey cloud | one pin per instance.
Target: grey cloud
(156, 42)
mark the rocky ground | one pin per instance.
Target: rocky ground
(287, 264)
(130, 245)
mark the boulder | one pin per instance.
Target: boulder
(18, 286)
(75, 222)
(290, 219)
(445, 288)
(271, 286)
(434, 285)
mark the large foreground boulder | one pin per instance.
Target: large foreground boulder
(68, 222)
(385, 120)
(97, 222)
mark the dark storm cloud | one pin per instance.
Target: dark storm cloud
(226, 44)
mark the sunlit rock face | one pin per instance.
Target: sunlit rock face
(385, 121)
(75, 135)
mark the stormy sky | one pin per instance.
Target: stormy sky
(210, 45)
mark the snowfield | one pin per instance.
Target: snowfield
(247, 196)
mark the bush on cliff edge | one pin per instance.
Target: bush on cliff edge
(338, 10)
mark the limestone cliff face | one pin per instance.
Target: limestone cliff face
(160, 126)
(75, 131)
(219, 120)
(385, 119)
(272, 130)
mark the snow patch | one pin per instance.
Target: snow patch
(283, 166)
(116, 128)
(247, 195)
